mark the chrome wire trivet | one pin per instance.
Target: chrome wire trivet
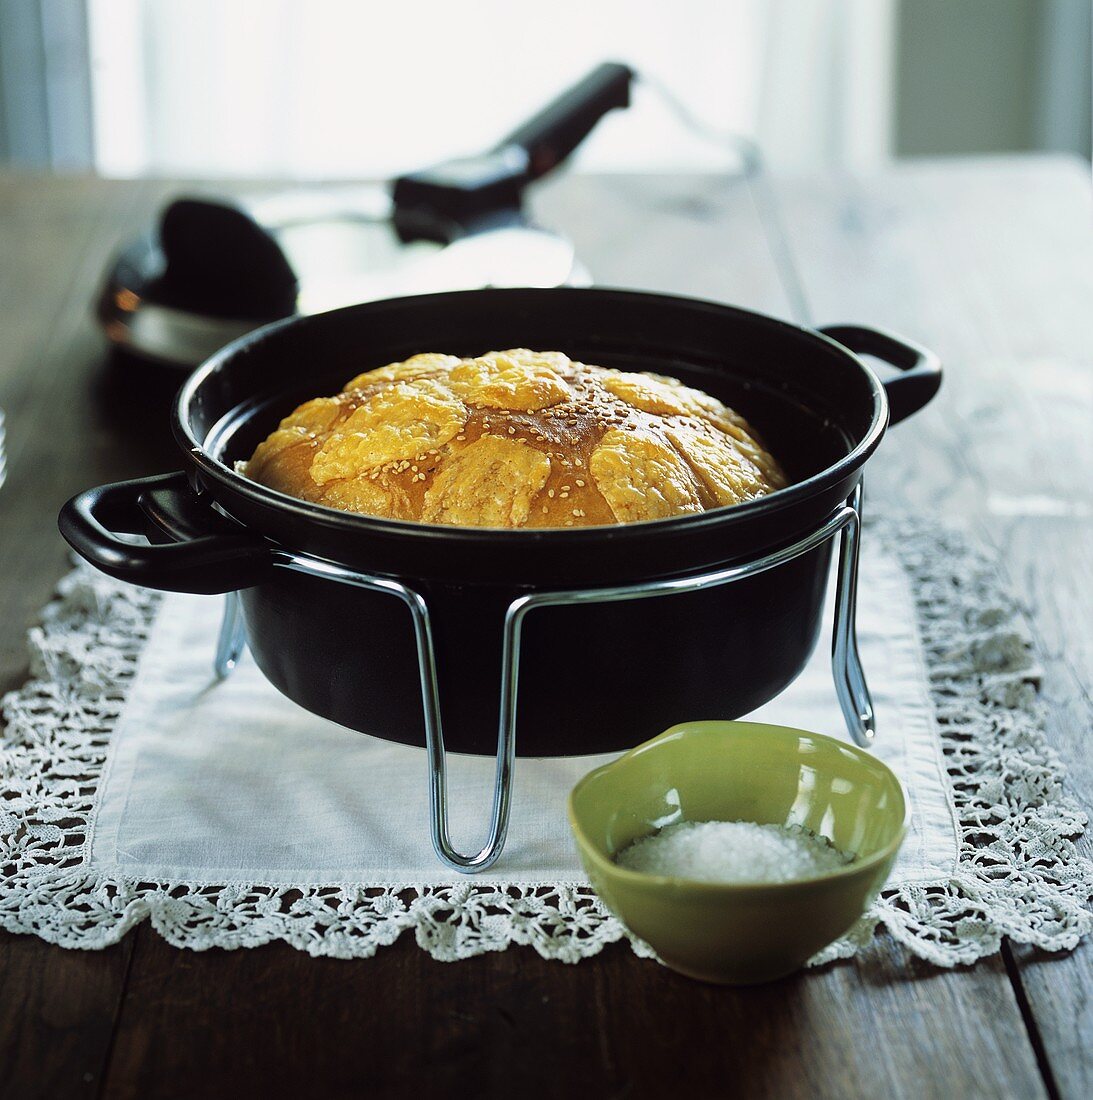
(850, 684)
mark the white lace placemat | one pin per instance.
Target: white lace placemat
(133, 786)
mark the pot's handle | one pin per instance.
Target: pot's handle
(562, 125)
(210, 554)
(921, 377)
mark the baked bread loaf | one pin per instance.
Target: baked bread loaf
(515, 439)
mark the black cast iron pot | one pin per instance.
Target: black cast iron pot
(594, 677)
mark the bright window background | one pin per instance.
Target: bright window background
(349, 89)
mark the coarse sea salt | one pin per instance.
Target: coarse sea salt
(733, 851)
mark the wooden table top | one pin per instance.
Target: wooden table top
(986, 261)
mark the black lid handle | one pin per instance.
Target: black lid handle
(551, 135)
(449, 199)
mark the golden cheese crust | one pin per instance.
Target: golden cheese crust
(515, 439)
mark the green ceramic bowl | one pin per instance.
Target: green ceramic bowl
(740, 771)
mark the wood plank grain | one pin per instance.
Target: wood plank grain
(57, 1008)
(57, 236)
(617, 1024)
(989, 263)
(57, 1015)
(273, 1021)
(701, 237)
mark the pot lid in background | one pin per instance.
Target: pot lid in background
(213, 270)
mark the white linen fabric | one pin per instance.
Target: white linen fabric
(210, 780)
(136, 786)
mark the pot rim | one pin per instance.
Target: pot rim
(777, 501)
